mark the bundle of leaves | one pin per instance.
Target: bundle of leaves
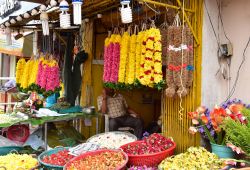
(238, 133)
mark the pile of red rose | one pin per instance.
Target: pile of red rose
(60, 158)
(152, 144)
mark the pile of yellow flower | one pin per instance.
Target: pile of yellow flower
(16, 161)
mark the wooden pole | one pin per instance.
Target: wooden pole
(164, 5)
(188, 22)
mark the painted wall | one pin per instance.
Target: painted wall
(235, 16)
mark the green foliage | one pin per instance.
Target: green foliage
(38, 89)
(237, 133)
(136, 85)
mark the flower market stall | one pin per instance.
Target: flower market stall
(150, 52)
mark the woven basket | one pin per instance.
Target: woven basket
(150, 160)
(122, 167)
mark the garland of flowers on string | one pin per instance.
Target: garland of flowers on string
(123, 57)
(151, 59)
(138, 53)
(19, 70)
(130, 73)
(40, 75)
(111, 59)
(138, 63)
(115, 59)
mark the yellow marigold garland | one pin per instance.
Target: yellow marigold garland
(142, 60)
(138, 54)
(19, 70)
(130, 73)
(151, 65)
(157, 57)
(123, 56)
(34, 71)
(26, 75)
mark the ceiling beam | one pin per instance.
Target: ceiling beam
(37, 1)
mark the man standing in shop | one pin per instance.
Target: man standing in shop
(120, 115)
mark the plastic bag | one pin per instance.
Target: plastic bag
(6, 142)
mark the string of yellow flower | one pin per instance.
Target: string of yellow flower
(123, 57)
(33, 76)
(26, 75)
(138, 53)
(130, 73)
(19, 70)
(157, 57)
(142, 60)
(151, 62)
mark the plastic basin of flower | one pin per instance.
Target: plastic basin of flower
(150, 160)
(50, 152)
(92, 153)
(4, 150)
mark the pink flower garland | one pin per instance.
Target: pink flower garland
(44, 74)
(40, 70)
(109, 63)
(105, 63)
(52, 78)
(115, 63)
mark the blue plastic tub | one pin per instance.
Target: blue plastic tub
(51, 100)
(222, 151)
(9, 149)
(50, 152)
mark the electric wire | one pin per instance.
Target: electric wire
(238, 72)
(210, 20)
(222, 23)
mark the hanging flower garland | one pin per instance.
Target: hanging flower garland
(130, 73)
(40, 75)
(106, 59)
(151, 59)
(123, 57)
(115, 59)
(139, 61)
(52, 79)
(25, 76)
(19, 70)
(138, 53)
(157, 57)
(33, 76)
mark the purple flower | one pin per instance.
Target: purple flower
(145, 134)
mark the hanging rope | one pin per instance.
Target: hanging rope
(182, 58)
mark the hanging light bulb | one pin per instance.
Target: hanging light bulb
(77, 8)
(126, 12)
(53, 3)
(2, 26)
(8, 36)
(64, 16)
(12, 21)
(19, 18)
(45, 22)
